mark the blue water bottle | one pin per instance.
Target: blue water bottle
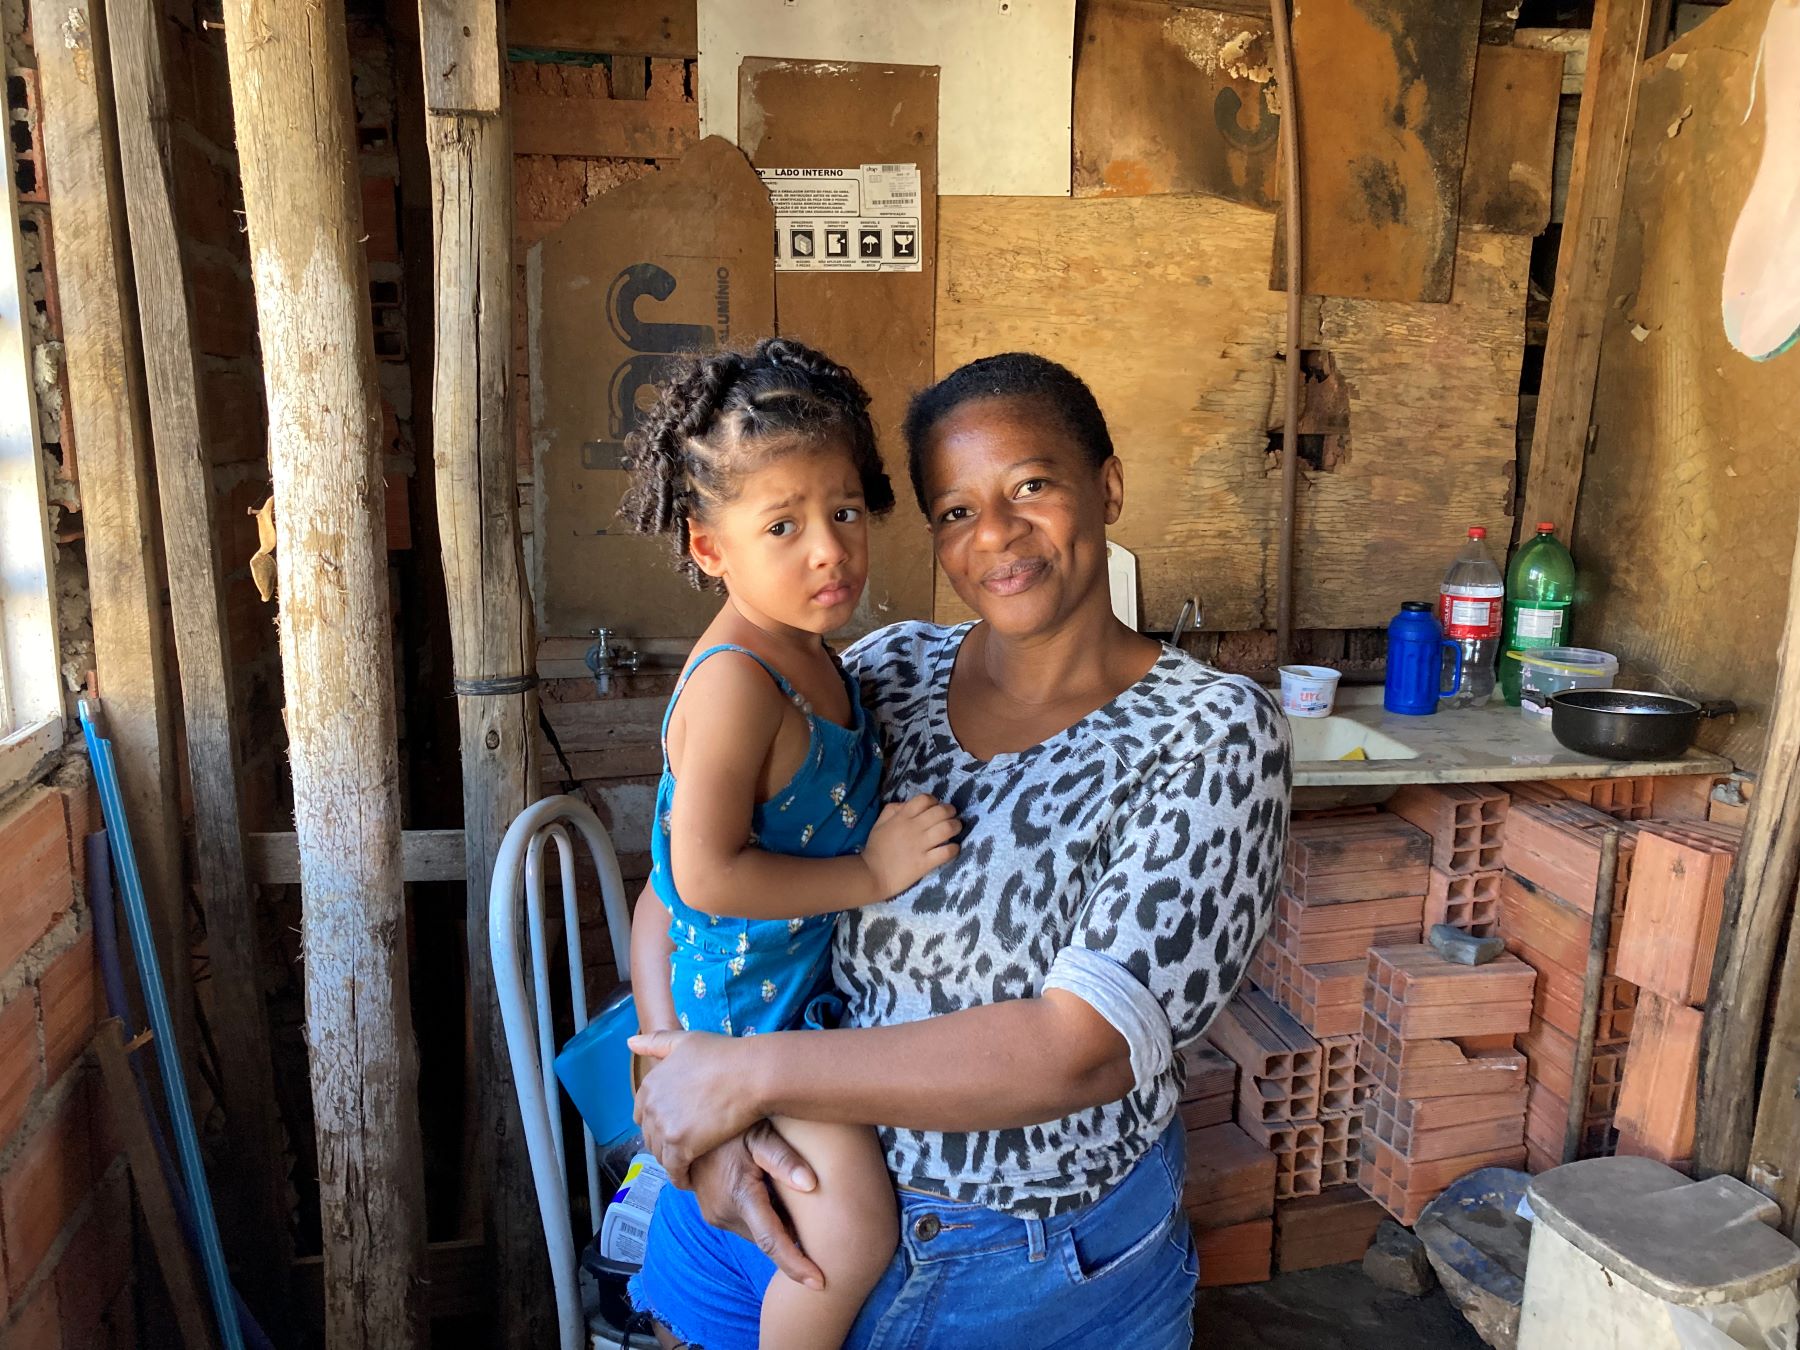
(1415, 662)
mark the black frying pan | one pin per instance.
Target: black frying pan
(1628, 724)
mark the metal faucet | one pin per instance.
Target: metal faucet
(1189, 618)
(604, 658)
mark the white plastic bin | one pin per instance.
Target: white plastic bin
(1627, 1254)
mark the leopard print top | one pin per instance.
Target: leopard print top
(1131, 859)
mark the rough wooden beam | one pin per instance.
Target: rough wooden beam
(1578, 307)
(621, 27)
(253, 1209)
(290, 69)
(425, 855)
(118, 515)
(490, 612)
(1759, 899)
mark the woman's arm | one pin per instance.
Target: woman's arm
(1188, 879)
(650, 953)
(996, 1067)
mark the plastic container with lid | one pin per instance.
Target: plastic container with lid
(1550, 670)
(1626, 1252)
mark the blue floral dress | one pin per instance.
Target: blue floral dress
(742, 976)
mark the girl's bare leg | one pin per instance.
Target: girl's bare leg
(849, 1226)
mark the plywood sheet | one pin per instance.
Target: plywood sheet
(1004, 111)
(1172, 98)
(1433, 409)
(837, 114)
(1160, 304)
(1381, 143)
(1178, 344)
(1512, 140)
(681, 261)
(1685, 529)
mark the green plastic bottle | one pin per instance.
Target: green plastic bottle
(1540, 586)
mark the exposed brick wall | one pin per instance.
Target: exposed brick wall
(67, 1235)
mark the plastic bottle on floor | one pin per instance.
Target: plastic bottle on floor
(1540, 587)
(1469, 608)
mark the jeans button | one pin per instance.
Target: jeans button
(926, 1227)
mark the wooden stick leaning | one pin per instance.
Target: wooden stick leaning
(126, 1107)
(1599, 936)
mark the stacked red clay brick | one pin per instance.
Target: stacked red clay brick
(1230, 1195)
(1352, 881)
(1666, 948)
(1552, 856)
(1449, 1095)
(66, 1260)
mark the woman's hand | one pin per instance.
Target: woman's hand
(695, 1099)
(731, 1184)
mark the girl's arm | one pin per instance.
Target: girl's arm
(650, 953)
(730, 714)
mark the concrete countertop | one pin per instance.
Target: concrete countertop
(1491, 744)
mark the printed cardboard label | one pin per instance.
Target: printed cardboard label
(846, 220)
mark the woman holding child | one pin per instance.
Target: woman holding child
(968, 1114)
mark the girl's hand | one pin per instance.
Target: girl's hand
(910, 839)
(695, 1098)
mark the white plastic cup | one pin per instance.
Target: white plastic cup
(1308, 691)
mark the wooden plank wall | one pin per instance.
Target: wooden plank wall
(1686, 525)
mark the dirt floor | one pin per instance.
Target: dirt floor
(1336, 1308)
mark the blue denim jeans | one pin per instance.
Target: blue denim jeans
(1119, 1270)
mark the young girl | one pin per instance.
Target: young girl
(761, 468)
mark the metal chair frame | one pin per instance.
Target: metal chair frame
(531, 1041)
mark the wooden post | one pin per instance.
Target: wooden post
(490, 610)
(1579, 304)
(254, 1206)
(1759, 897)
(290, 89)
(118, 512)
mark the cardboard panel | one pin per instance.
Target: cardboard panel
(1685, 531)
(837, 114)
(1512, 140)
(1171, 98)
(1381, 151)
(677, 262)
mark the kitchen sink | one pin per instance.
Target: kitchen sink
(1318, 739)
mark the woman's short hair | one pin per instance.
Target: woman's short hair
(1022, 375)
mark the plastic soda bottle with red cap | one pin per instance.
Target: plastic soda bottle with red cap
(1540, 587)
(1469, 608)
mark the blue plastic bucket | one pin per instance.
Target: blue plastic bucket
(595, 1070)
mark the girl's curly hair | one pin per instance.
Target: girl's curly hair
(686, 455)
